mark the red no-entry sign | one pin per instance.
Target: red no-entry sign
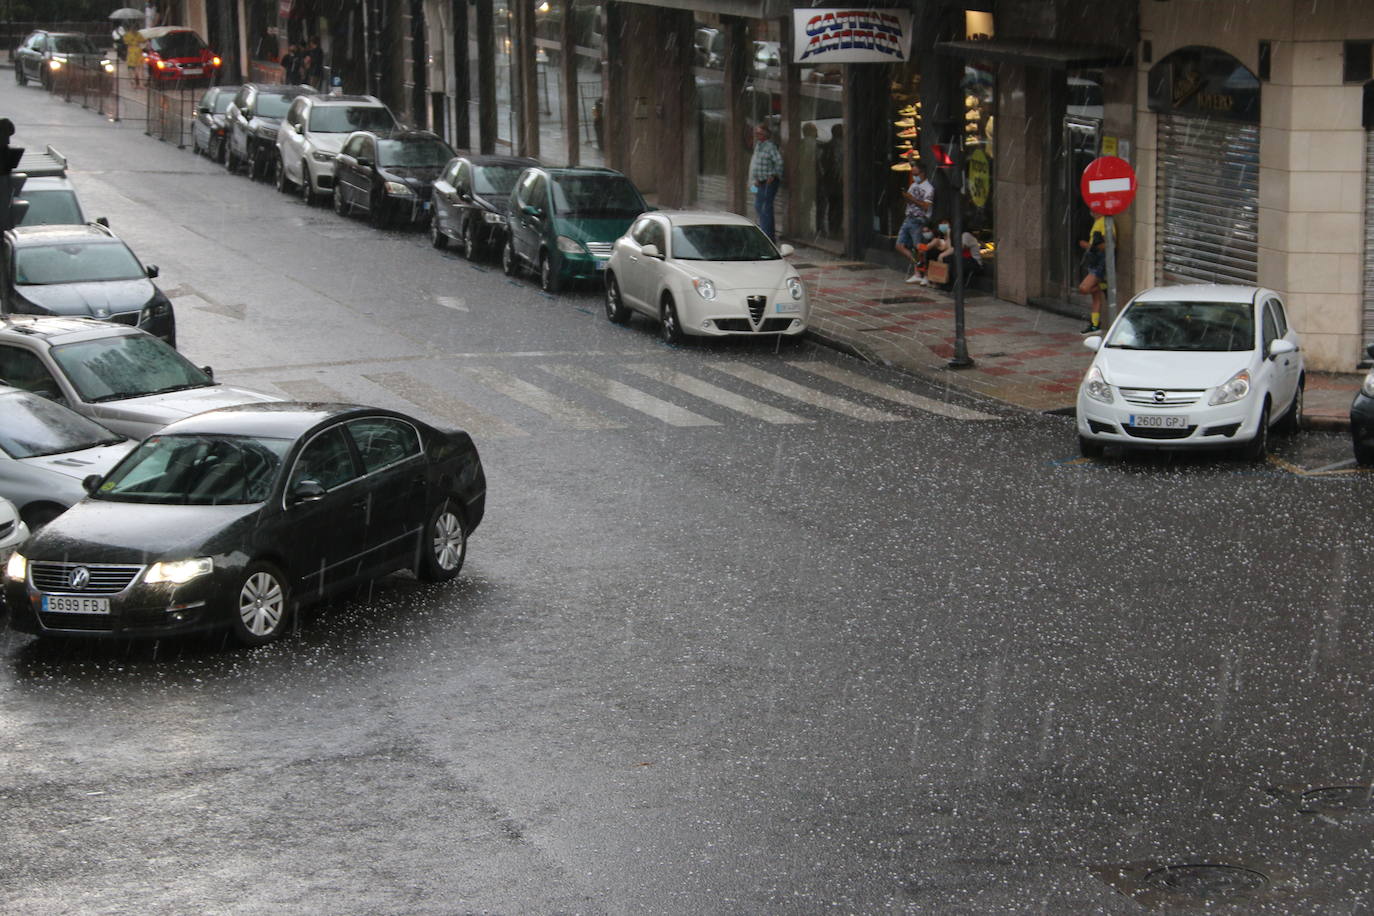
(1108, 185)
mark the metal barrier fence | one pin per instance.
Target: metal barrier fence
(94, 85)
(167, 110)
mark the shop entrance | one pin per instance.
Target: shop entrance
(1080, 144)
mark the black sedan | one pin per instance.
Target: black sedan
(389, 174)
(49, 56)
(470, 202)
(233, 517)
(1362, 418)
(83, 270)
(210, 128)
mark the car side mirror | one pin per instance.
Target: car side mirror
(651, 251)
(203, 109)
(1093, 343)
(363, 162)
(103, 221)
(91, 482)
(1280, 347)
(247, 114)
(531, 210)
(151, 270)
(306, 491)
(208, 371)
(786, 250)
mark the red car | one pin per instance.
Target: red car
(177, 53)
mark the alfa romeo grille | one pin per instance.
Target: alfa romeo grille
(756, 306)
(601, 249)
(104, 579)
(1160, 397)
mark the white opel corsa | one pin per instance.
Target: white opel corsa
(1193, 367)
(704, 273)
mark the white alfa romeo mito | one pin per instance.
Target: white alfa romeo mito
(1193, 366)
(703, 273)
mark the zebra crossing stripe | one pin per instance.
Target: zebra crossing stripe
(790, 389)
(308, 389)
(889, 392)
(633, 398)
(433, 401)
(551, 405)
(708, 392)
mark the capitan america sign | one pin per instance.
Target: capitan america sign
(849, 36)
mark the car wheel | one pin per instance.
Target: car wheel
(1090, 448)
(508, 262)
(45, 79)
(1258, 447)
(307, 185)
(472, 246)
(1292, 420)
(231, 161)
(549, 279)
(436, 235)
(671, 327)
(279, 179)
(263, 605)
(445, 545)
(20, 76)
(616, 311)
(1364, 453)
(341, 206)
(38, 515)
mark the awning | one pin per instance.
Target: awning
(1033, 52)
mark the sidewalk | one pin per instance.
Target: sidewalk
(1022, 355)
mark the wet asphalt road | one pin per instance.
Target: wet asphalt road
(703, 662)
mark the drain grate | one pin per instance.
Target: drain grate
(1168, 886)
(1206, 881)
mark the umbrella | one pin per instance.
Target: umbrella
(127, 13)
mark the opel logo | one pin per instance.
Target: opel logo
(80, 578)
(1159, 397)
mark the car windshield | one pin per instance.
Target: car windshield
(337, 119)
(31, 426)
(722, 243)
(1200, 326)
(178, 44)
(197, 470)
(271, 105)
(75, 262)
(494, 179)
(595, 195)
(72, 44)
(419, 152)
(126, 366)
(49, 208)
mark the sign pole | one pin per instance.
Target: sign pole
(1109, 303)
(1108, 186)
(961, 359)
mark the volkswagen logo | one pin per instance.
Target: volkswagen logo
(1159, 397)
(80, 578)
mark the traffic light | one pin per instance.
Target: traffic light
(12, 209)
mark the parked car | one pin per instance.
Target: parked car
(45, 452)
(176, 54)
(563, 222)
(50, 197)
(389, 174)
(233, 517)
(252, 119)
(119, 376)
(703, 273)
(13, 531)
(210, 127)
(1193, 366)
(470, 199)
(314, 131)
(1362, 418)
(44, 55)
(82, 270)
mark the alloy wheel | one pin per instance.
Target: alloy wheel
(262, 604)
(449, 541)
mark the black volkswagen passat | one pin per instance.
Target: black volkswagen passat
(233, 517)
(470, 200)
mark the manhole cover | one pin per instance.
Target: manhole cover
(1339, 801)
(1205, 881)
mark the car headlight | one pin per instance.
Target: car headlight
(178, 571)
(156, 308)
(321, 156)
(704, 287)
(1367, 387)
(396, 189)
(1235, 388)
(496, 219)
(17, 568)
(108, 66)
(794, 286)
(1095, 386)
(570, 246)
(56, 63)
(267, 133)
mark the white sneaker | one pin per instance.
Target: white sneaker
(924, 281)
(914, 278)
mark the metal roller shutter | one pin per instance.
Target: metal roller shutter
(1368, 238)
(1207, 219)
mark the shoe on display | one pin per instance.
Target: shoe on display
(909, 132)
(905, 122)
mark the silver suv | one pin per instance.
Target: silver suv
(312, 133)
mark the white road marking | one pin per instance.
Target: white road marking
(790, 389)
(452, 302)
(559, 409)
(890, 392)
(708, 392)
(432, 400)
(633, 398)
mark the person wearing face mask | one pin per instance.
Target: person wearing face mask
(939, 267)
(920, 198)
